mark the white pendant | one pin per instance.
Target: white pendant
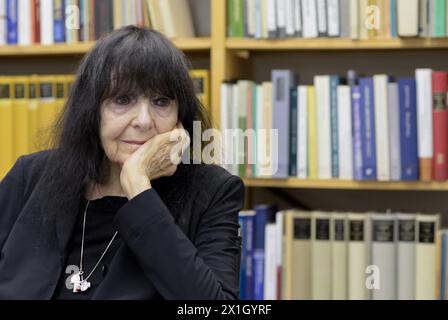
(76, 281)
(79, 285)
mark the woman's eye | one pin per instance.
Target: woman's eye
(123, 100)
(161, 102)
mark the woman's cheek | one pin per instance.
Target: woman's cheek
(165, 118)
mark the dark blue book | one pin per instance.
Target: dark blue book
(408, 129)
(263, 215)
(59, 21)
(334, 83)
(357, 132)
(247, 221)
(293, 133)
(368, 129)
(11, 20)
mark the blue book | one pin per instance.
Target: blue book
(293, 133)
(368, 129)
(408, 129)
(393, 19)
(59, 21)
(247, 221)
(334, 82)
(282, 81)
(357, 135)
(263, 215)
(11, 18)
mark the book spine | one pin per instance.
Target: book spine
(59, 21)
(368, 129)
(357, 133)
(334, 82)
(381, 127)
(439, 113)
(12, 16)
(302, 143)
(322, 23)
(394, 130)
(293, 133)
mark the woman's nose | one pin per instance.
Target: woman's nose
(143, 119)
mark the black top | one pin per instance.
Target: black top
(178, 240)
(98, 234)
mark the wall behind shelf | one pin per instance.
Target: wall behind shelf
(357, 200)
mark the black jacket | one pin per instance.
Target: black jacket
(180, 239)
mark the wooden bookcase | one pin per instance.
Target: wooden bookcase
(253, 59)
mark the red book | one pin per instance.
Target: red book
(35, 21)
(440, 129)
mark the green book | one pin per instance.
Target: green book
(439, 18)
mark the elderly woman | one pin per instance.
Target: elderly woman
(106, 213)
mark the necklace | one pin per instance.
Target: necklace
(80, 284)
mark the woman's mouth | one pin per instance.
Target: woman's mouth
(133, 142)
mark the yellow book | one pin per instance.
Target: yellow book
(201, 81)
(47, 109)
(6, 126)
(312, 134)
(33, 114)
(373, 16)
(21, 122)
(118, 21)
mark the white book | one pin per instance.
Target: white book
(309, 14)
(272, 18)
(345, 135)
(298, 17)
(382, 127)
(320, 256)
(354, 19)
(406, 256)
(3, 22)
(394, 132)
(24, 22)
(302, 141)
(46, 22)
(290, 23)
(250, 9)
(358, 256)
(235, 126)
(270, 269)
(344, 18)
(339, 250)
(296, 278)
(424, 113)
(322, 25)
(322, 85)
(257, 19)
(264, 19)
(226, 116)
(333, 18)
(279, 247)
(281, 18)
(408, 17)
(265, 144)
(423, 18)
(426, 257)
(384, 255)
(363, 31)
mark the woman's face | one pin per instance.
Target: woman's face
(128, 122)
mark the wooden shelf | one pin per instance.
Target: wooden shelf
(193, 44)
(336, 44)
(344, 185)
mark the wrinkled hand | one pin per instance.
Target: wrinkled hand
(158, 157)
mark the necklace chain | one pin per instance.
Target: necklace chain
(81, 271)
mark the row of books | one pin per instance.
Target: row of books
(368, 129)
(302, 255)
(29, 105)
(355, 19)
(27, 22)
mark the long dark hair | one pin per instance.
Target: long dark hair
(132, 60)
